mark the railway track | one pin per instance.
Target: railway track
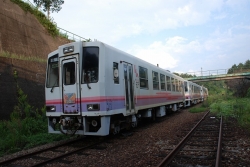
(122, 150)
(201, 146)
(60, 151)
(57, 153)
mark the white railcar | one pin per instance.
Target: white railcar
(95, 89)
(192, 93)
(204, 93)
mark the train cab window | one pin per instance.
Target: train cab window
(143, 74)
(176, 85)
(69, 73)
(163, 82)
(155, 80)
(173, 84)
(115, 73)
(168, 83)
(90, 64)
(197, 89)
(185, 86)
(53, 73)
(181, 86)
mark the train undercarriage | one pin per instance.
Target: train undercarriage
(106, 124)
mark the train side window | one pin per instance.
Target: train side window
(155, 80)
(115, 73)
(163, 82)
(143, 74)
(90, 64)
(173, 84)
(168, 83)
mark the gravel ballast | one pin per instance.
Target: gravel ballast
(145, 146)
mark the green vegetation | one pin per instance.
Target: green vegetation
(50, 26)
(26, 128)
(198, 109)
(236, 108)
(240, 67)
(186, 75)
(53, 6)
(21, 57)
(222, 101)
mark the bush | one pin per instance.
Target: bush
(238, 108)
(26, 128)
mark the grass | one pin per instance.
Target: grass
(198, 109)
(238, 108)
(227, 105)
(19, 134)
(21, 57)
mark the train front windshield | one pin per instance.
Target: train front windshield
(90, 64)
(53, 73)
(90, 67)
(186, 88)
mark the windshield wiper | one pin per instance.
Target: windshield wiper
(54, 85)
(88, 85)
(52, 89)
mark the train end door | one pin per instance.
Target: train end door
(70, 84)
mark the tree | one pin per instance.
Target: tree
(232, 69)
(239, 86)
(49, 5)
(247, 64)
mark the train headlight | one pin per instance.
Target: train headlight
(93, 107)
(50, 108)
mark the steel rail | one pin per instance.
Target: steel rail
(37, 152)
(65, 155)
(171, 155)
(218, 157)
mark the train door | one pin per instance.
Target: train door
(70, 87)
(129, 88)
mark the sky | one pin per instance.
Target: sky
(180, 35)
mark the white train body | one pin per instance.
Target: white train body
(95, 89)
(204, 93)
(193, 93)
